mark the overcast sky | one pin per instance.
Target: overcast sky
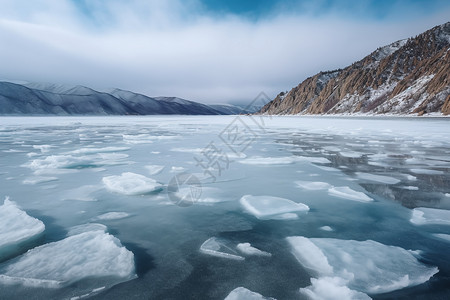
(211, 51)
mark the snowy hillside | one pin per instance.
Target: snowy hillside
(54, 99)
(406, 77)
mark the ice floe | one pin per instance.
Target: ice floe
(283, 160)
(74, 230)
(367, 266)
(248, 249)
(377, 178)
(331, 288)
(85, 255)
(326, 228)
(427, 172)
(131, 184)
(114, 215)
(17, 228)
(409, 187)
(351, 154)
(424, 215)
(219, 248)
(154, 169)
(99, 150)
(312, 185)
(241, 293)
(442, 236)
(347, 193)
(269, 207)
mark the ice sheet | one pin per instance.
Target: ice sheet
(368, 266)
(131, 184)
(86, 255)
(347, 193)
(269, 207)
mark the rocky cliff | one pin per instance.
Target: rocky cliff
(406, 77)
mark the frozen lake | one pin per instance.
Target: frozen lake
(182, 207)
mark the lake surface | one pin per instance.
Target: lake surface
(187, 207)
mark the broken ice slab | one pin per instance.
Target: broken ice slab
(219, 248)
(269, 207)
(17, 229)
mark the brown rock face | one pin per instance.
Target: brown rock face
(405, 77)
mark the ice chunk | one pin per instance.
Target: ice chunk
(377, 178)
(112, 216)
(326, 228)
(17, 229)
(313, 185)
(85, 228)
(347, 193)
(427, 172)
(218, 247)
(331, 288)
(242, 293)
(310, 256)
(268, 207)
(188, 150)
(368, 266)
(424, 215)
(248, 249)
(351, 154)
(154, 169)
(131, 184)
(85, 255)
(409, 187)
(177, 169)
(284, 160)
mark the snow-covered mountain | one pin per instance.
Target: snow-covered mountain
(406, 77)
(43, 98)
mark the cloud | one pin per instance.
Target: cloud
(177, 48)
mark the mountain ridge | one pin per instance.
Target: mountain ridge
(56, 99)
(408, 76)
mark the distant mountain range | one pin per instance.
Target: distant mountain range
(406, 77)
(53, 99)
